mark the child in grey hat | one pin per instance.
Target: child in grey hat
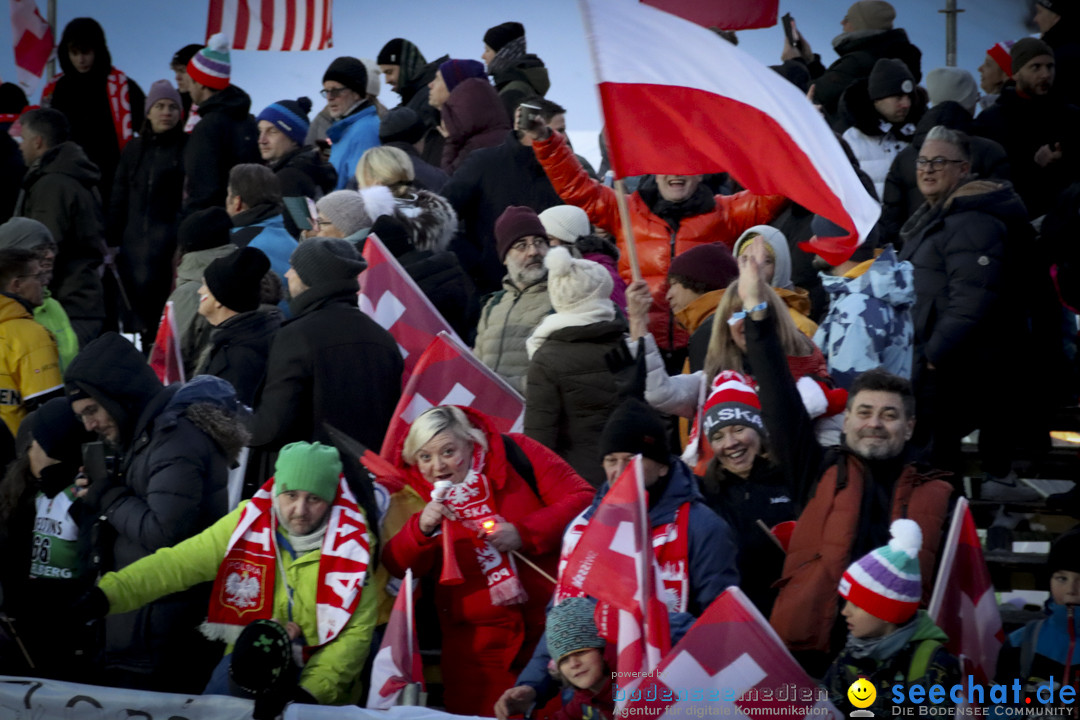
(577, 652)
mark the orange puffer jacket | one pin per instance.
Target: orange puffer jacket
(656, 242)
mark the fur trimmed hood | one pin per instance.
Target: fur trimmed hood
(430, 219)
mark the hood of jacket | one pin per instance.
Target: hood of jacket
(422, 75)
(193, 264)
(530, 69)
(858, 111)
(927, 629)
(232, 101)
(13, 309)
(681, 488)
(472, 108)
(265, 215)
(321, 295)
(67, 158)
(87, 34)
(781, 252)
(991, 197)
(950, 113)
(879, 43)
(699, 310)
(887, 278)
(308, 161)
(430, 218)
(211, 404)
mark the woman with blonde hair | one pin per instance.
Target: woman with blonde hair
(516, 496)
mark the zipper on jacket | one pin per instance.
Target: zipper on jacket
(502, 334)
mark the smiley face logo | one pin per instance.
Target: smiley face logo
(862, 693)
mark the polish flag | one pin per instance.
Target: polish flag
(678, 99)
(273, 24)
(397, 665)
(963, 603)
(165, 358)
(723, 14)
(33, 40)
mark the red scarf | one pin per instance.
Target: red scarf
(116, 85)
(244, 587)
(474, 504)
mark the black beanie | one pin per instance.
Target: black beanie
(890, 77)
(391, 52)
(497, 37)
(1065, 553)
(402, 124)
(261, 657)
(1027, 49)
(236, 279)
(634, 427)
(322, 260)
(183, 55)
(58, 431)
(393, 234)
(350, 72)
(12, 99)
(204, 229)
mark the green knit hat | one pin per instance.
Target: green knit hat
(311, 467)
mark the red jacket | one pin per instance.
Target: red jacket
(656, 243)
(485, 646)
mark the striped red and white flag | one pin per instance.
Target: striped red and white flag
(677, 99)
(273, 24)
(33, 41)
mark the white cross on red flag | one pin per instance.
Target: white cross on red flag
(730, 657)
(394, 300)
(963, 603)
(33, 41)
(447, 373)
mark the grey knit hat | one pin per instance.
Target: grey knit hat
(950, 83)
(24, 234)
(571, 627)
(352, 211)
(322, 260)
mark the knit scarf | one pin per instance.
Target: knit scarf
(508, 56)
(883, 647)
(601, 311)
(474, 504)
(244, 587)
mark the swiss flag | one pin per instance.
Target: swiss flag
(165, 359)
(33, 39)
(963, 603)
(397, 664)
(613, 561)
(668, 109)
(731, 662)
(396, 302)
(447, 373)
(723, 14)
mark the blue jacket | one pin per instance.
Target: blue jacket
(265, 231)
(1050, 636)
(350, 137)
(869, 320)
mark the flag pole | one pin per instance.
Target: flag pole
(628, 228)
(645, 560)
(534, 566)
(410, 694)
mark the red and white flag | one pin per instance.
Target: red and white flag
(396, 302)
(398, 663)
(33, 40)
(613, 562)
(963, 603)
(723, 14)
(668, 109)
(731, 662)
(165, 358)
(447, 373)
(273, 24)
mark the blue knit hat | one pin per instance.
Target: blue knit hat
(290, 116)
(454, 71)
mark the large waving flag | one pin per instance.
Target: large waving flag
(273, 24)
(398, 665)
(165, 358)
(449, 374)
(963, 603)
(33, 41)
(723, 14)
(678, 99)
(396, 302)
(731, 662)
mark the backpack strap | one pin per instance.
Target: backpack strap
(920, 660)
(521, 463)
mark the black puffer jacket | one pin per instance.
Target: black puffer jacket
(143, 216)
(238, 351)
(331, 364)
(858, 52)
(303, 173)
(572, 394)
(61, 191)
(1064, 38)
(902, 197)
(227, 135)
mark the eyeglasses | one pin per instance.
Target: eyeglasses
(523, 245)
(936, 164)
(331, 93)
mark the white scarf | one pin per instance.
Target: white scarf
(599, 312)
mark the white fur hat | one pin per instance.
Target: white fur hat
(566, 222)
(576, 286)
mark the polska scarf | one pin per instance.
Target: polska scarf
(474, 504)
(244, 587)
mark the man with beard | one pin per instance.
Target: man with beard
(850, 493)
(511, 314)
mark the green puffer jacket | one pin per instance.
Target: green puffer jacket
(506, 322)
(332, 673)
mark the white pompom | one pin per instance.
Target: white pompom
(378, 201)
(906, 537)
(218, 42)
(558, 261)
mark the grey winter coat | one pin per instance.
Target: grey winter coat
(506, 322)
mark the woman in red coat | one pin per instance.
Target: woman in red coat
(493, 617)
